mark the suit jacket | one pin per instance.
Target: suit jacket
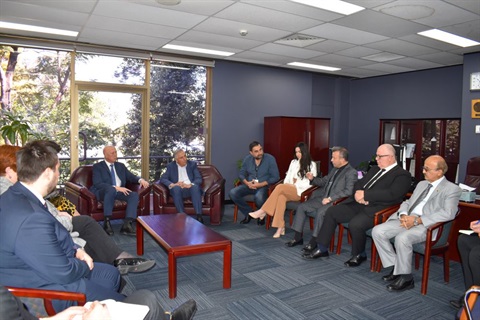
(342, 185)
(102, 178)
(387, 191)
(441, 206)
(35, 249)
(171, 175)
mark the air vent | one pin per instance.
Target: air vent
(299, 40)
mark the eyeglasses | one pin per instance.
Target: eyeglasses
(382, 155)
(428, 169)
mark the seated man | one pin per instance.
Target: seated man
(109, 179)
(184, 181)
(435, 199)
(337, 184)
(258, 171)
(383, 186)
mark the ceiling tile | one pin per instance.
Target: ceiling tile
(286, 51)
(218, 40)
(401, 47)
(341, 33)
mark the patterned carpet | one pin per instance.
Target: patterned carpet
(271, 281)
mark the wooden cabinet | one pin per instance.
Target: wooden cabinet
(281, 134)
(429, 137)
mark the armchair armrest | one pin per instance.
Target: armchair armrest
(161, 192)
(339, 200)
(273, 186)
(382, 215)
(81, 197)
(307, 193)
(213, 190)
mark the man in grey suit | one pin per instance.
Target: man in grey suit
(434, 200)
(337, 184)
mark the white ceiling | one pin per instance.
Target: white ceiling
(379, 40)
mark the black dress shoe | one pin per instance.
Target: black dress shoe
(108, 227)
(199, 218)
(315, 255)
(401, 284)
(293, 243)
(246, 220)
(135, 265)
(355, 261)
(457, 304)
(309, 248)
(127, 229)
(185, 311)
(390, 277)
(261, 222)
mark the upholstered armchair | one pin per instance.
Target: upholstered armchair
(472, 177)
(77, 191)
(213, 185)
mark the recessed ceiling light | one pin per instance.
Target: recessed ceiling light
(313, 66)
(449, 38)
(337, 6)
(198, 50)
(26, 27)
(169, 2)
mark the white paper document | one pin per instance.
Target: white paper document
(122, 311)
(466, 231)
(465, 187)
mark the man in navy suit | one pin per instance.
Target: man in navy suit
(109, 179)
(184, 181)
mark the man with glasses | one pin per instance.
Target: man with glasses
(383, 186)
(434, 200)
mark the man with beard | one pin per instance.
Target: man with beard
(258, 171)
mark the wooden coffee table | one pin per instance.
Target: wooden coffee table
(181, 235)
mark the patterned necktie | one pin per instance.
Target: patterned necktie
(420, 198)
(112, 173)
(330, 184)
(377, 176)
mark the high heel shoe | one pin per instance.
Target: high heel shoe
(280, 232)
(256, 215)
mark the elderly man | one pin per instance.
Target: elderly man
(109, 179)
(184, 181)
(435, 199)
(337, 184)
(383, 186)
(258, 171)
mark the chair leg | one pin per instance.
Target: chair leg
(235, 213)
(373, 257)
(290, 215)
(268, 222)
(311, 222)
(332, 243)
(340, 238)
(426, 266)
(446, 266)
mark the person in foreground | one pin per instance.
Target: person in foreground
(294, 184)
(36, 251)
(184, 181)
(434, 200)
(109, 179)
(334, 186)
(383, 186)
(12, 308)
(258, 171)
(469, 250)
(85, 231)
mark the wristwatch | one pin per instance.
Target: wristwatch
(415, 222)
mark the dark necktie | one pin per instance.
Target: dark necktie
(420, 198)
(370, 183)
(330, 184)
(112, 173)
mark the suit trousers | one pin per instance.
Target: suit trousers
(469, 250)
(277, 202)
(359, 221)
(109, 195)
(194, 192)
(237, 195)
(401, 256)
(311, 208)
(100, 246)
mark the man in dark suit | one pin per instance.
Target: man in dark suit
(184, 181)
(383, 186)
(109, 179)
(434, 200)
(336, 185)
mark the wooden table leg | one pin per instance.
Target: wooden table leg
(139, 239)
(172, 275)
(227, 267)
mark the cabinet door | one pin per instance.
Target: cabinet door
(318, 139)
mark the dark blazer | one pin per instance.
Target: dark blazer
(343, 183)
(102, 178)
(390, 189)
(171, 175)
(35, 249)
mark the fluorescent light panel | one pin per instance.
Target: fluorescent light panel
(312, 66)
(168, 67)
(337, 6)
(198, 50)
(26, 27)
(449, 38)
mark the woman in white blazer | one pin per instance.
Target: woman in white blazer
(294, 184)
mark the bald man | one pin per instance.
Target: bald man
(109, 179)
